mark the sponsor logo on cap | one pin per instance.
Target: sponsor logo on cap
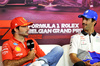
(24, 19)
(87, 11)
(15, 24)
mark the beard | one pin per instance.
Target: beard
(25, 34)
(86, 26)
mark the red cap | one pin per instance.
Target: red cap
(19, 21)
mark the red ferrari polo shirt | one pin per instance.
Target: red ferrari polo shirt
(15, 50)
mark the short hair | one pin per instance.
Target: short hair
(13, 31)
(93, 21)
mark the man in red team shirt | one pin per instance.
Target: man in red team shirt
(16, 53)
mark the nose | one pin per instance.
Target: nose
(27, 28)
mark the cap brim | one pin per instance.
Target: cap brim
(86, 16)
(80, 16)
(28, 23)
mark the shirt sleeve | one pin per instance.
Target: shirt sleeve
(39, 51)
(6, 51)
(74, 44)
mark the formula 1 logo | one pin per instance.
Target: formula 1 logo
(5, 32)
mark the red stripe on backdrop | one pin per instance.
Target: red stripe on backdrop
(3, 31)
(56, 36)
(53, 41)
(35, 36)
(8, 35)
(5, 23)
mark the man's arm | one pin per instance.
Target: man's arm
(15, 62)
(21, 61)
(96, 64)
(74, 58)
(74, 41)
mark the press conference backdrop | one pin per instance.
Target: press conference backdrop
(53, 22)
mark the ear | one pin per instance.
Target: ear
(16, 30)
(95, 22)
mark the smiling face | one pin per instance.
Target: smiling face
(87, 24)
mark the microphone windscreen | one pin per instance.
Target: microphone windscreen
(30, 44)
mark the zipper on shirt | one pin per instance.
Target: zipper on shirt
(90, 39)
(24, 45)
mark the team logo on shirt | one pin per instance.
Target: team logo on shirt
(18, 49)
(19, 54)
(82, 38)
(15, 43)
(97, 39)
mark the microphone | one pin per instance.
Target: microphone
(30, 44)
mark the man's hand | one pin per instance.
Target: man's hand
(21, 61)
(96, 64)
(87, 63)
(31, 54)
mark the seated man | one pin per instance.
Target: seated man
(85, 46)
(15, 52)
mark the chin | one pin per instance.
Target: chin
(85, 29)
(25, 35)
